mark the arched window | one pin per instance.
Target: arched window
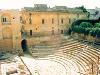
(6, 19)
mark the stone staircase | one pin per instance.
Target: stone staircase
(78, 58)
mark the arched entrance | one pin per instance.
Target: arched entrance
(24, 45)
(62, 31)
(7, 38)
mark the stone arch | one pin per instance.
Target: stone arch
(62, 31)
(24, 45)
(7, 33)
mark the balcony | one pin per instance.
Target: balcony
(6, 23)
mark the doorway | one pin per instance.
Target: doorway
(62, 31)
(24, 45)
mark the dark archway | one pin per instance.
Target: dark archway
(62, 31)
(24, 45)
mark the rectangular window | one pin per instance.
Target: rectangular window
(30, 32)
(69, 21)
(4, 20)
(42, 21)
(52, 21)
(62, 21)
(62, 31)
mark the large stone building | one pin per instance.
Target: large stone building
(21, 27)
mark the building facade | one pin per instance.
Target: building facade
(10, 35)
(20, 27)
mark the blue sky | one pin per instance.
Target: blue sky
(17, 4)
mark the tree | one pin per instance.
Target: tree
(87, 30)
(97, 25)
(86, 25)
(82, 8)
(93, 32)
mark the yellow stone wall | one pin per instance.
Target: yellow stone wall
(10, 31)
(57, 26)
(10, 35)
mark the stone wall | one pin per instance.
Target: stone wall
(36, 32)
(54, 22)
(82, 37)
(6, 43)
